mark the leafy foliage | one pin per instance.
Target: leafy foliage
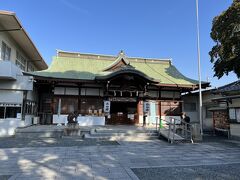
(225, 55)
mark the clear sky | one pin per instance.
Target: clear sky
(142, 28)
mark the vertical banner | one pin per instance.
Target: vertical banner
(59, 106)
(153, 112)
(106, 107)
(146, 107)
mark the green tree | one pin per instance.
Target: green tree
(225, 55)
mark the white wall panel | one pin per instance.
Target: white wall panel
(71, 91)
(59, 90)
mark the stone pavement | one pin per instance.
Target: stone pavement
(112, 161)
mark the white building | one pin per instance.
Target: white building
(18, 54)
(191, 107)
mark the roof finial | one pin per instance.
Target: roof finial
(121, 53)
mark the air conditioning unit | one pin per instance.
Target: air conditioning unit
(36, 120)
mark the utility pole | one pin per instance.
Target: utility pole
(199, 72)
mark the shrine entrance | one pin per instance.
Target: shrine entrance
(123, 112)
(125, 88)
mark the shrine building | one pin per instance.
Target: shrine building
(106, 89)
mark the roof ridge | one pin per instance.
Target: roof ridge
(79, 54)
(229, 84)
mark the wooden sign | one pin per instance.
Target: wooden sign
(122, 99)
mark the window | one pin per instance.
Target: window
(5, 52)
(190, 107)
(2, 112)
(234, 115)
(20, 61)
(209, 114)
(30, 67)
(9, 110)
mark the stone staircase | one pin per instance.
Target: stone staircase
(124, 134)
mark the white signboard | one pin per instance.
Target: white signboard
(19, 115)
(106, 108)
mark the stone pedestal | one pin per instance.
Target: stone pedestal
(196, 132)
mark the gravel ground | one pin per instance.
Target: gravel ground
(219, 172)
(12, 142)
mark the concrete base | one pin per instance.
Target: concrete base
(196, 132)
(40, 131)
(72, 131)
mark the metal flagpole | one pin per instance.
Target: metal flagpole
(199, 71)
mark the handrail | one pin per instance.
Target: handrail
(184, 127)
(187, 130)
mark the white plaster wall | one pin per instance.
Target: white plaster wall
(11, 96)
(8, 126)
(32, 95)
(235, 103)
(82, 120)
(235, 130)
(194, 117)
(148, 120)
(61, 119)
(165, 118)
(21, 83)
(8, 70)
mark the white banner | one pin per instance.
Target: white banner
(107, 105)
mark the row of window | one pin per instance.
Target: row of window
(14, 110)
(21, 62)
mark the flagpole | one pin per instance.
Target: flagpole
(199, 72)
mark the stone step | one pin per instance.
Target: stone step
(117, 138)
(124, 131)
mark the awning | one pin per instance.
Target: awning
(226, 98)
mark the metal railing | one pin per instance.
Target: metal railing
(175, 128)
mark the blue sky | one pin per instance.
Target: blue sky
(153, 28)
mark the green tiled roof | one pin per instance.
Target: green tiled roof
(85, 68)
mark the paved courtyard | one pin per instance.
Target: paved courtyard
(118, 161)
